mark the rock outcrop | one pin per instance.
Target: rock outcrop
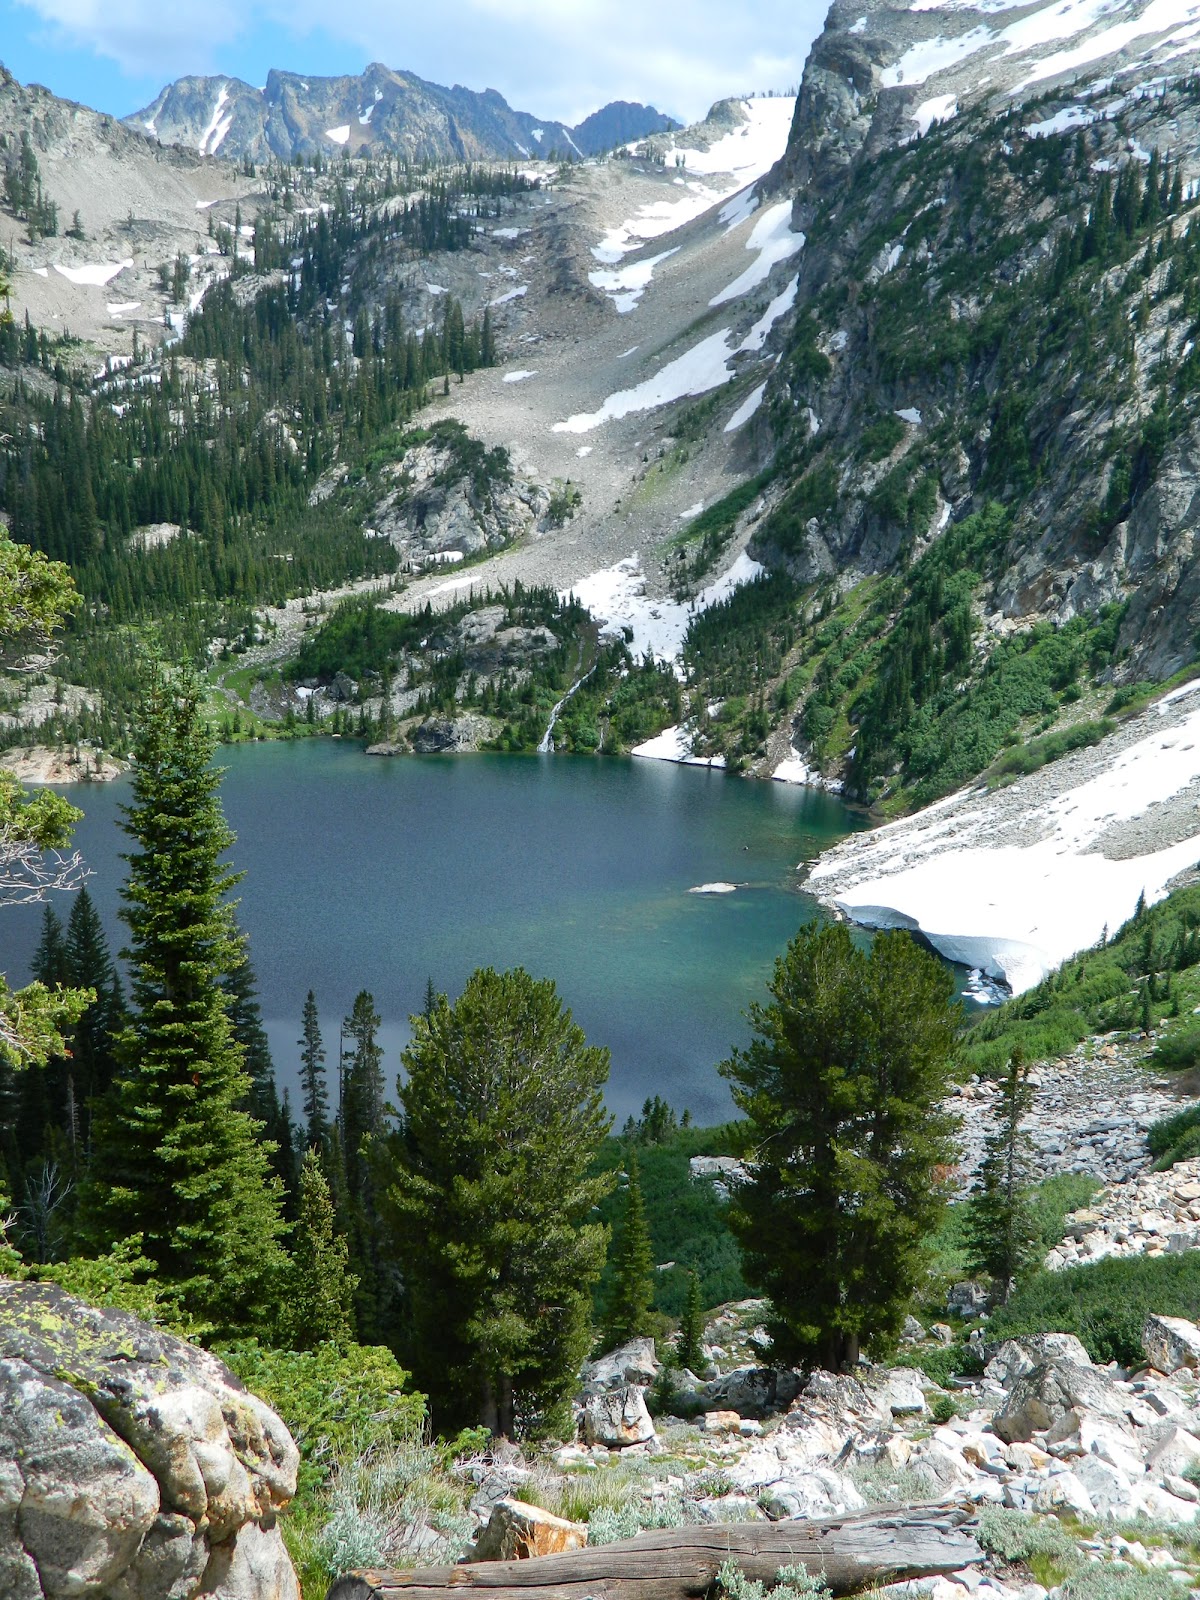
(133, 1466)
(516, 1531)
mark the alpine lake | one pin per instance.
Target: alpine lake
(373, 873)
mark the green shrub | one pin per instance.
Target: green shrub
(944, 1409)
(1015, 1537)
(381, 1504)
(1102, 1581)
(791, 1583)
(1106, 1304)
(1037, 753)
(338, 1403)
(1178, 1051)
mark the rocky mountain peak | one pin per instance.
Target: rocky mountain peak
(378, 111)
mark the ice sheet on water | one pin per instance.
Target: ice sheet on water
(1018, 911)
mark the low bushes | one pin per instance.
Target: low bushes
(1106, 1304)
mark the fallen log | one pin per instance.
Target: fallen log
(850, 1553)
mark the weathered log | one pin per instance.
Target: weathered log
(850, 1553)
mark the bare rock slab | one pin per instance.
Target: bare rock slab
(515, 1531)
(133, 1466)
(1171, 1343)
(618, 1418)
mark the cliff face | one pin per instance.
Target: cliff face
(376, 112)
(997, 304)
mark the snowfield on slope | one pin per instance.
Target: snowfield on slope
(1015, 881)
(617, 598)
(742, 156)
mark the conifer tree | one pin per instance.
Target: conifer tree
(843, 1086)
(50, 964)
(91, 967)
(320, 1284)
(690, 1348)
(315, 1101)
(629, 1311)
(1002, 1235)
(362, 1110)
(489, 1197)
(245, 1017)
(176, 1157)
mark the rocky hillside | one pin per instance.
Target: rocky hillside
(994, 307)
(380, 111)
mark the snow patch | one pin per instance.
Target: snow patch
(773, 240)
(1061, 122)
(744, 204)
(779, 307)
(519, 376)
(674, 744)
(1016, 911)
(712, 888)
(626, 285)
(922, 60)
(513, 294)
(218, 126)
(703, 367)
(617, 598)
(94, 274)
(747, 409)
(1157, 17)
(940, 109)
(339, 135)
(911, 415)
(752, 148)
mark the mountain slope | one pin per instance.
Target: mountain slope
(378, 111)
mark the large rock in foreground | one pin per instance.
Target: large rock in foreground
(133, 1466)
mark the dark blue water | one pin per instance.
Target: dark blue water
(378, 874)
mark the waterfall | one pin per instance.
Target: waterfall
(547, 742)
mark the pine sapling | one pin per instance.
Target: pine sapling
(1002, 1235)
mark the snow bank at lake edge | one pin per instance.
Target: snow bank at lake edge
(1015, 881)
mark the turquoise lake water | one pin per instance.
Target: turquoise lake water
(370, 873)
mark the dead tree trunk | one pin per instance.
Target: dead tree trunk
(849, 1553)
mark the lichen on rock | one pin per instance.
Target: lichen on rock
(133, 1466)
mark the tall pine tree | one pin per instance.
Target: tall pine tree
(1002, 1232)
(176, 1158)
(362, 1121)
(690, 1348)
(491, 1193)
(629, 1309)
(843, 1086)
(92, 967)
(315, 1099)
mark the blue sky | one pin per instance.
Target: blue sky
(556, 58)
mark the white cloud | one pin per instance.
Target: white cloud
(557, 58)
